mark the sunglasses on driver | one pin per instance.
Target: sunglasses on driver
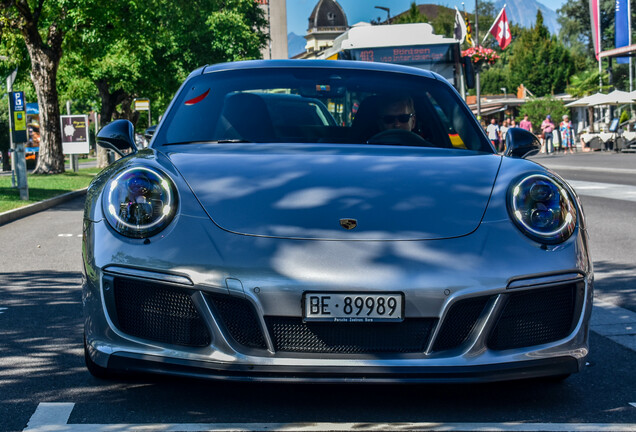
(402, 118)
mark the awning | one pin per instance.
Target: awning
(32, 108)
(583, 102)
(617, 97)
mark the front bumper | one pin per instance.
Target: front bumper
(474, 352)
(133, 363)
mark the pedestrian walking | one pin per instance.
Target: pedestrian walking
(525, 123)
(503, 130)
(547, 127)
(494, 134)
(567, 137)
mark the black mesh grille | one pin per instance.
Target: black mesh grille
(294, 335)
(459, 323)
(239, 319)
(158, 312)
(535, 317)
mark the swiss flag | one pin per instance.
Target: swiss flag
(501, 30)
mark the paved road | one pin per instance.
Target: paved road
(41, 354)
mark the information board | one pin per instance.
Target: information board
(74, 134)
(18, 117)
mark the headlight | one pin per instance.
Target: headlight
(542, 208)
(139, 202)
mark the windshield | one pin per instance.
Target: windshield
(320, 105)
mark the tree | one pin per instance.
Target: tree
(151, 52)
(537, 109)
(43, 26)
(412, 16)
(539, 61)
(4, 133)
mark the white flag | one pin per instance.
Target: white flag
(460, 27)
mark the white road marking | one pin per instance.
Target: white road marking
(53, 417)
(604, 190)
(2, 309)
(65, 235)
(50, 413)
(633, 404)
(589, 169)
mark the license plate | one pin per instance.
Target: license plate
(353, 307)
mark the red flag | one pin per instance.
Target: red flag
(501, 30)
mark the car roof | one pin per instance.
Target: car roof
(316, 64)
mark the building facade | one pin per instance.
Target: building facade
(276, 14)
(326, 22)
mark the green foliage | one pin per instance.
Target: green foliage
(412, 16)
(540, 62)
(4, 124)
(537, 109)
(624, 117)
(42, 187)
(494, 79)
(444, 22)
(121, 49)
(585, 83)
(233, 29)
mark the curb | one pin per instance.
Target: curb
(12, 215)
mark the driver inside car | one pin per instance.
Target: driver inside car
(397, 113)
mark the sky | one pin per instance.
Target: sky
(298, 11)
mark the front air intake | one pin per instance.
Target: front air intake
(535, 317)
(158, 312)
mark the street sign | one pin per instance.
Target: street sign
(18, 115)
(74, 134)
(142, 104)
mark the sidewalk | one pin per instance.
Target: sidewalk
(11, 215)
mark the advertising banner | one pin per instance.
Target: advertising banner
(74, 134)
(595, 16)
(622, 34)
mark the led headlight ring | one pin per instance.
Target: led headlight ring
(139, 202)
(542, 208)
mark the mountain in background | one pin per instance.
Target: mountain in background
(295, 44)
(524, 13)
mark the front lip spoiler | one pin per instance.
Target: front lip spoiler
(131, 362)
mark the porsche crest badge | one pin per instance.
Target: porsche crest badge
(348, 224)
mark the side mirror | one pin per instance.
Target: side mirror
(118, 136)
(469, 72)
(520, 143)
(150, 132)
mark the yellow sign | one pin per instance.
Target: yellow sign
(19, 121)
(142, 104)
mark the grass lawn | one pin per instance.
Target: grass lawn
(42, 187)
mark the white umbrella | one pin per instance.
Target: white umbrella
(617, 97)
(583, 102)
(633, 95)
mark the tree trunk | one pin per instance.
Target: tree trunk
(44, 75)
(6, 164)
(109, 103)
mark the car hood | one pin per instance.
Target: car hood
(304, 192)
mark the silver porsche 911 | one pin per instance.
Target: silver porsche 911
(331, 221)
